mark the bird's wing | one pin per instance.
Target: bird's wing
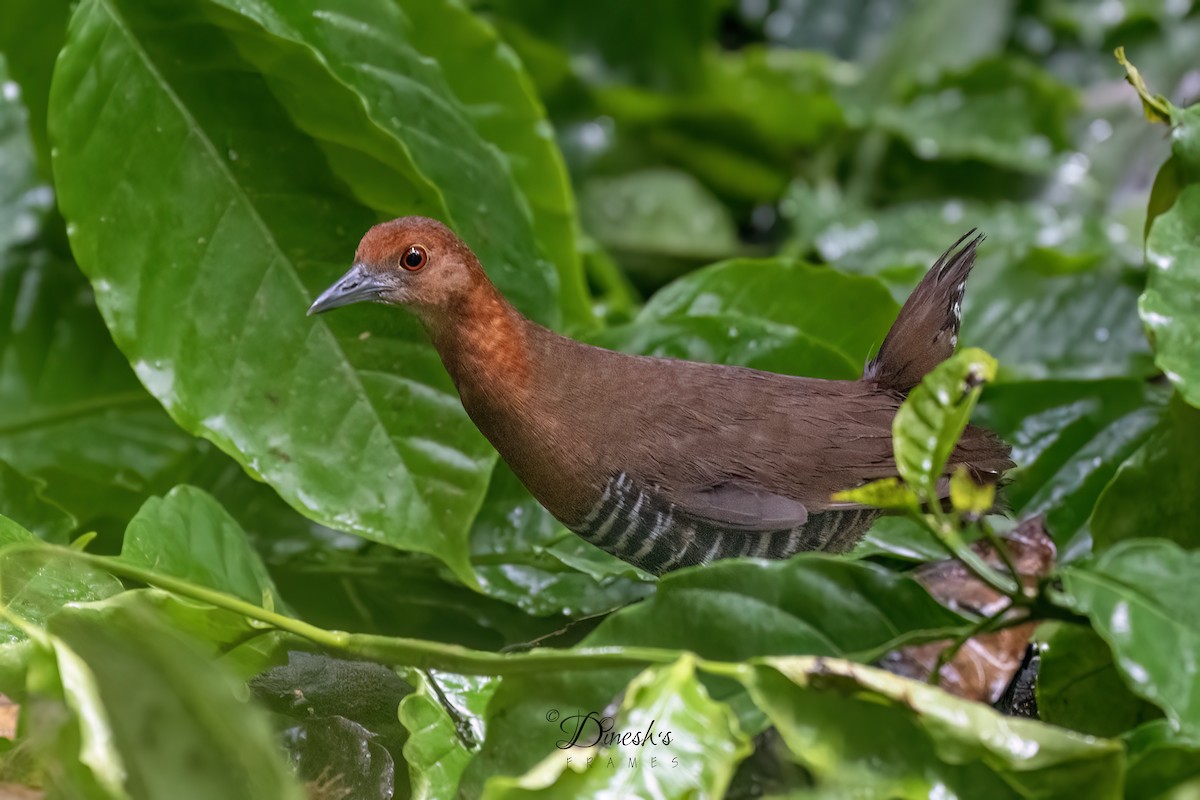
(742, 506)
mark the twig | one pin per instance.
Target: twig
(991, 624)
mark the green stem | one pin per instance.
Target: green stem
(952, 542)
(998, 545)
(394, 650)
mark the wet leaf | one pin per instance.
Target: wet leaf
(404, 465)
(686, 745)
(928, 425)
(1143, 598)
(862, 731)
(187, 534)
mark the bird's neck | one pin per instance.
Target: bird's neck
(485, 345)
(513, 377)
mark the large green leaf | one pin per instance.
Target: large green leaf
(657, 215)
(75, 416)
(1154, 493)
(732, 339)
(351, 419)
(1003, 111)
(156, 715)
(866, 733)
(1046, 317)
(31, 33)
(812, 605)
(23, 500)
(1143, 597)
(815, 301)
(1047, 298)
(188, 535)
(663, 51)
(1162, 763)
(1078, 686)
(1068, 439)
(524, 716)
(672, 741)
(35, 582)
(1170, 306)
(74, 420)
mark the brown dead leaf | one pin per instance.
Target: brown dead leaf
(985, 665)
(9, 711)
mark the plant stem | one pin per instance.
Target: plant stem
(417, 653)
(998, 545)
(948, 537)
(991, 624)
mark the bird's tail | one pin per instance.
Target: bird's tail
(926, 331)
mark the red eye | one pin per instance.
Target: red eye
(414, 258)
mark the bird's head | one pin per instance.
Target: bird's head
(411, 261)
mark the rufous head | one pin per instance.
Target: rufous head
(411, 261)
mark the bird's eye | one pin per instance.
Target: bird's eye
(414, 258)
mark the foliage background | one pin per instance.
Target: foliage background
(758, 183)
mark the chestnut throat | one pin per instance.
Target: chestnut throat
(509, 373)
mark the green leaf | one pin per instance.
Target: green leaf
(664, 52)
(21, 199)
(521, 727)
(31, 34)
(1047, 297)
(695, 747)
(1154, 492)
(732, 339)
(1078, 686)
(658, 214)
(172, 722)
(75, 420)
(189, 535)
(1046, 317)
(969, 497)
(864, 732)
(76, 417)
(1068, 438)
(928, 424)
(883, 493)
(1160, 760)
(36, 582)
(810, 300)
(1156, 107)
(1170, 306)
(810, 604)
(239, 644)
(362, 430)
(900, 537)
(1143, 598)
(23, 499)
(436, 751)
(1003, 111)
(932, 37)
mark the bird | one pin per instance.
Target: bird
(668, 463)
